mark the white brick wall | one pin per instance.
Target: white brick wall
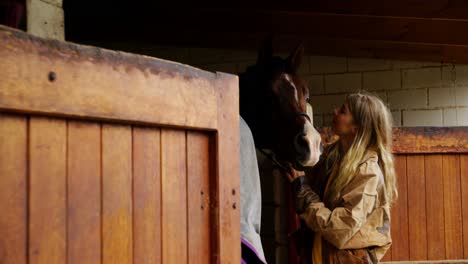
(417, 93)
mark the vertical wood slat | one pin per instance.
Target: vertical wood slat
(435, 207)
(227, 174)
(452, 206)
(416, 207)
(198, 191)
(400, 236)
(13, 189)
(84, 193)
(174, 196)
(147, 195)
(47, 202)
(464, 189)
(117, 194)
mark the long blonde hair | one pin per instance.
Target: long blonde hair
(374, 132)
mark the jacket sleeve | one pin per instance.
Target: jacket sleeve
(339, 225)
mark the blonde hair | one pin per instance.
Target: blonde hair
(374, 132)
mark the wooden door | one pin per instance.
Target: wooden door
(110, 157)
(430, 217)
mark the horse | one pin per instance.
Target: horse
(275, 114)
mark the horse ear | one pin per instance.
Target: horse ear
(265, 53)
(295, 59)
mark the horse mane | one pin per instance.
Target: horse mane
(255, 102)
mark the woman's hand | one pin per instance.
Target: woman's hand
(292, 173)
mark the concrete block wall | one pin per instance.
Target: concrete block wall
(45, 18)
(417, 93)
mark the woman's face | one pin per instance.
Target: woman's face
(343, 122)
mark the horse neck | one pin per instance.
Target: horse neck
(249, 104)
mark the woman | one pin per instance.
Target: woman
(345, 199)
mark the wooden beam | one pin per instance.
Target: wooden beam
(451, 9)
(436, 40)
(49, 77)
(419, 140)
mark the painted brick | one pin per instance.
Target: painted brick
(339, 83)
(281, 218)
(282, 254)
(462, 116)
(462, 74)
(364, 64)
(385, 80)
(396, 115)
(327, 120)
(315, 84)
(450, 117)
(418, 78)
(382, 96)
(398, 64)
(407, 99)
(327, 64)
(45, 20)
(462, 96)
(57, 3)
(324, 104)
(448, 76)
(280, 184)
(318, 120)
(422, 118)
(440, 97)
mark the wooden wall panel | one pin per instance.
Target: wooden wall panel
(13, 189)
(435, 207)
(400, 236)
(47, 201)
(452, 206)
(117, 194)
(464, 190)
(84, 193)
(147, 195)
(416, 207)
(199, 198)
(174, 196)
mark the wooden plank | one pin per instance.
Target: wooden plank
(117, 226)
(227, 174)
(57, 78)
(13, 189)
(452, 206)
(464, 190)
(199, 204)
(388, 255)
(420, 140)
(47, 199)
(416, 207)
(400, 236)
(430, 140)
(147, 195)
(174, 196)
(84, 193)
(435, 207)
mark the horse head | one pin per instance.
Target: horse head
(274, 101)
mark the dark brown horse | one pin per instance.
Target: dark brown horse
(273, 102)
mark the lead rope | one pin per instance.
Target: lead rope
(272, 158)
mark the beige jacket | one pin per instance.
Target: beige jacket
(360, 219)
